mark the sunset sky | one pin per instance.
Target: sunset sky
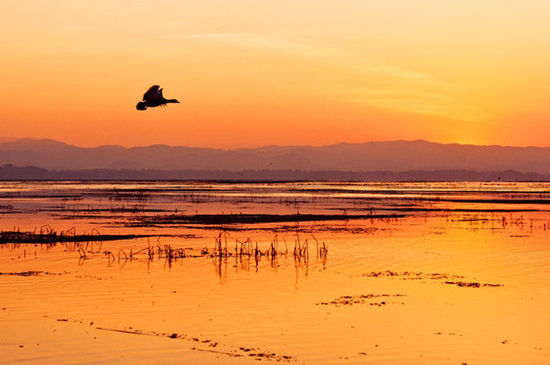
(287, 72)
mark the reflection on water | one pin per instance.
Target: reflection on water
(301, 272)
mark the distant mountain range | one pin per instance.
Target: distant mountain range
(395, 158)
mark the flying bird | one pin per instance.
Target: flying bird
(153, 97)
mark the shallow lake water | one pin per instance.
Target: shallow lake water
(174, 272)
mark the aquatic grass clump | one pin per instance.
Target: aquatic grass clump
(220, 252)
(247, 248)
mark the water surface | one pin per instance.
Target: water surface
(430, 273)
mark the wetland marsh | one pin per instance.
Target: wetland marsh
(314, 273)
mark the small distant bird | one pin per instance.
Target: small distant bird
(153, 97)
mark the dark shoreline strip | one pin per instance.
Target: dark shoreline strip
(47, 238)
(258, 218)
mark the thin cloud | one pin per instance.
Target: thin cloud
(418, 102)
(263, 42)
(378, 84)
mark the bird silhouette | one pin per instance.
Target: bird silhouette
(152, 98)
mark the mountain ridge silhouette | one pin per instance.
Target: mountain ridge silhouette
(394, 156)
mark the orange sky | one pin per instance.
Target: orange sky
(252, 73)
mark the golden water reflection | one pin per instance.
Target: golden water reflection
(389, 290)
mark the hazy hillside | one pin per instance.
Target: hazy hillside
(394, 156)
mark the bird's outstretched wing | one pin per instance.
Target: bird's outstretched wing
(153, 93)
